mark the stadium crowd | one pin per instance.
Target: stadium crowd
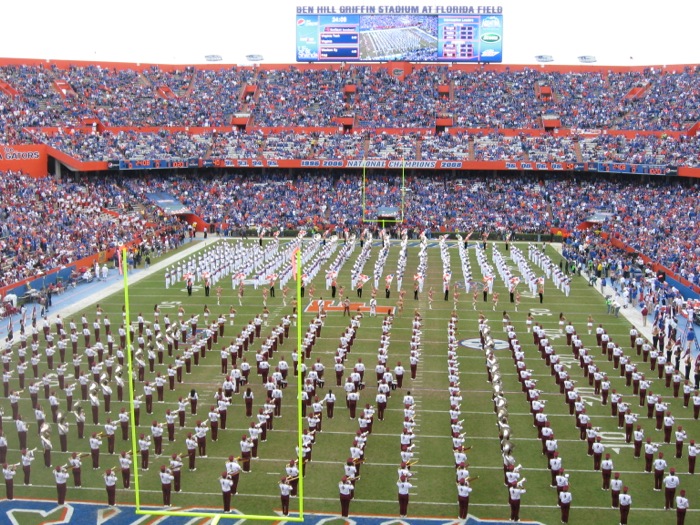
(46, 104)
(652, 99)
(658, 218)
(408, 145)
(49, 223)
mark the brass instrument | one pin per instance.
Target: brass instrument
(45, 435)
(507, 446)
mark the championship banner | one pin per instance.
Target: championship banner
(403, 164)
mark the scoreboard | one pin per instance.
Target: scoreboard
(415, 38)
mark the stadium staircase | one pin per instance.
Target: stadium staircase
(446, 91)
(577, 150)
(243, 118)
(186, 93)
(64, 88)
(543, 91)
(143, 80)
(249, 90)
(186, 89)
(638, 91)
(165, 92)
(693, 129)
(470, 146)
(551, 121)
(8, 89)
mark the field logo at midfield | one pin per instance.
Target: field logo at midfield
(337, 306)
(475, 344)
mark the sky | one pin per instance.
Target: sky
(616, 32)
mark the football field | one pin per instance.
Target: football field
(433, 478)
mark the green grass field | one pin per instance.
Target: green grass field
(434, 493)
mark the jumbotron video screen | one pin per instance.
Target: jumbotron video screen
(406, 37)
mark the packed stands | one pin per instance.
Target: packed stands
(95, 113)
(75, 109)
(652, 99)
(49, 223)
(658, 219)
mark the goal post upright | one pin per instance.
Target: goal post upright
(300, 358)
(396, 220)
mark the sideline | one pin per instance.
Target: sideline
(73, 300)
(633, 314)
